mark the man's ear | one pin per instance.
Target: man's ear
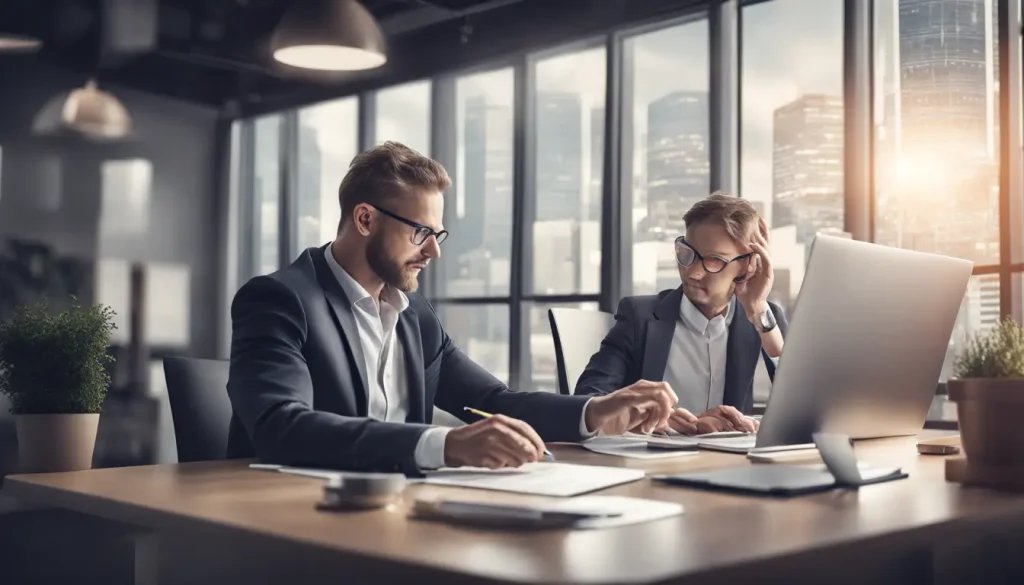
(362, 217)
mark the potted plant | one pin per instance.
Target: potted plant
(53, 370)
(988, 389)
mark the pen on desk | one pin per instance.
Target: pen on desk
(547, 453)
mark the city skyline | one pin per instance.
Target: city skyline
(790, 163)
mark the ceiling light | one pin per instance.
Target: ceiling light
(18, 43)
(88, 111)
(329, 35)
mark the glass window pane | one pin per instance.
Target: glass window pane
(403, 115)
(792, 132)
(666, 121)
(328, 139)
(978, 313)
(481, 331)
(543, 368)
(266, 189)
(569, 156)
(478, 207)
(937, 127)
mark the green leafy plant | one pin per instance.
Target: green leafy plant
(55, 362)
(996, 353)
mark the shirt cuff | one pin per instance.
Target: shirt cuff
(429, 452)
(584, 431)
(775, 361)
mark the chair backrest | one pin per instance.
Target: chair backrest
(200, 408)
(577, 334)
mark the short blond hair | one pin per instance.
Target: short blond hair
(386, 171)
(738, 216)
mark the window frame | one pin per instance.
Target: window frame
(725, 88)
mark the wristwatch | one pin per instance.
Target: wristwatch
(765, 322)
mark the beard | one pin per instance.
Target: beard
(710, 303)
(391, 272)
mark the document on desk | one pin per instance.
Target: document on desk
(582, 513)
(539, 479)
(633, 448)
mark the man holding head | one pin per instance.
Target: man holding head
(336, 362)
(704, 338)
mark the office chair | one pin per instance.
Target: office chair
(200, 409)
(577, 334)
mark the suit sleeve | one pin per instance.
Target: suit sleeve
(462, 382)
(609, 368)
(783, 324)
(271, 392)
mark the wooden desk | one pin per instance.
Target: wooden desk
(263, 525)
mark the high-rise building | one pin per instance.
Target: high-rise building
(807, 165)
(561, 129)
(482, 232)
(593, 206)
(946, 80)
(678, 170)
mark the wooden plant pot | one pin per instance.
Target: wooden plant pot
(990, 412)
(55, 442)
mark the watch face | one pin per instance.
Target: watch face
(767, 320)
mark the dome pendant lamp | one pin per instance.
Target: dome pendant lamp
(329, 35)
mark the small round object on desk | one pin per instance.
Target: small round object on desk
(361, 491)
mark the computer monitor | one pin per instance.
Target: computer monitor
(866, 342)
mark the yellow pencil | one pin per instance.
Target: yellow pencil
(547, 453)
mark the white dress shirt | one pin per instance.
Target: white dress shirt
(696, 360)
(388, 398)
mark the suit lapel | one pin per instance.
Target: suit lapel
(659, 336)
(412, 347)
(345, 320)
(742, 351)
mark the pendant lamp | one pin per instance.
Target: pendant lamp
(329, 35)
(87, 111)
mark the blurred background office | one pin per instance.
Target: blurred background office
(577, 133)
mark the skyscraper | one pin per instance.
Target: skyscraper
(677, 161)
(946, 81)
(560, 156)
(807, 165)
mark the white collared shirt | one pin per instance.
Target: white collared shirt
(697, 359)
(384, 356)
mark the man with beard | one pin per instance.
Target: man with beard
(703, 338)
(337, 363)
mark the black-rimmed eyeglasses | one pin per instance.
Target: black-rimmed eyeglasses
(713, 263)
(421, 233)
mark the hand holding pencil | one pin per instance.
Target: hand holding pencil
(494, 442)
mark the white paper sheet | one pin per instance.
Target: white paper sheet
(631, 448)
(541, 479)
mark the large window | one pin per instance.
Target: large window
(792, 128)
(568, 145)
(328, 139)
(476, 257)
(937, 141)
(403, 115)
(525, 141)
(666, 164)
(482, 332)
(266, 191)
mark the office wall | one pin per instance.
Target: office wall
(75, 215)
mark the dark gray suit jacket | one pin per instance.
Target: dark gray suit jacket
(637, 348)
(298, 385)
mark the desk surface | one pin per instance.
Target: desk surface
(717, 530)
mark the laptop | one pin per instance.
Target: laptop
(864, 349)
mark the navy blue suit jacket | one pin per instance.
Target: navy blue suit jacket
(298, 384)
(637, 348)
